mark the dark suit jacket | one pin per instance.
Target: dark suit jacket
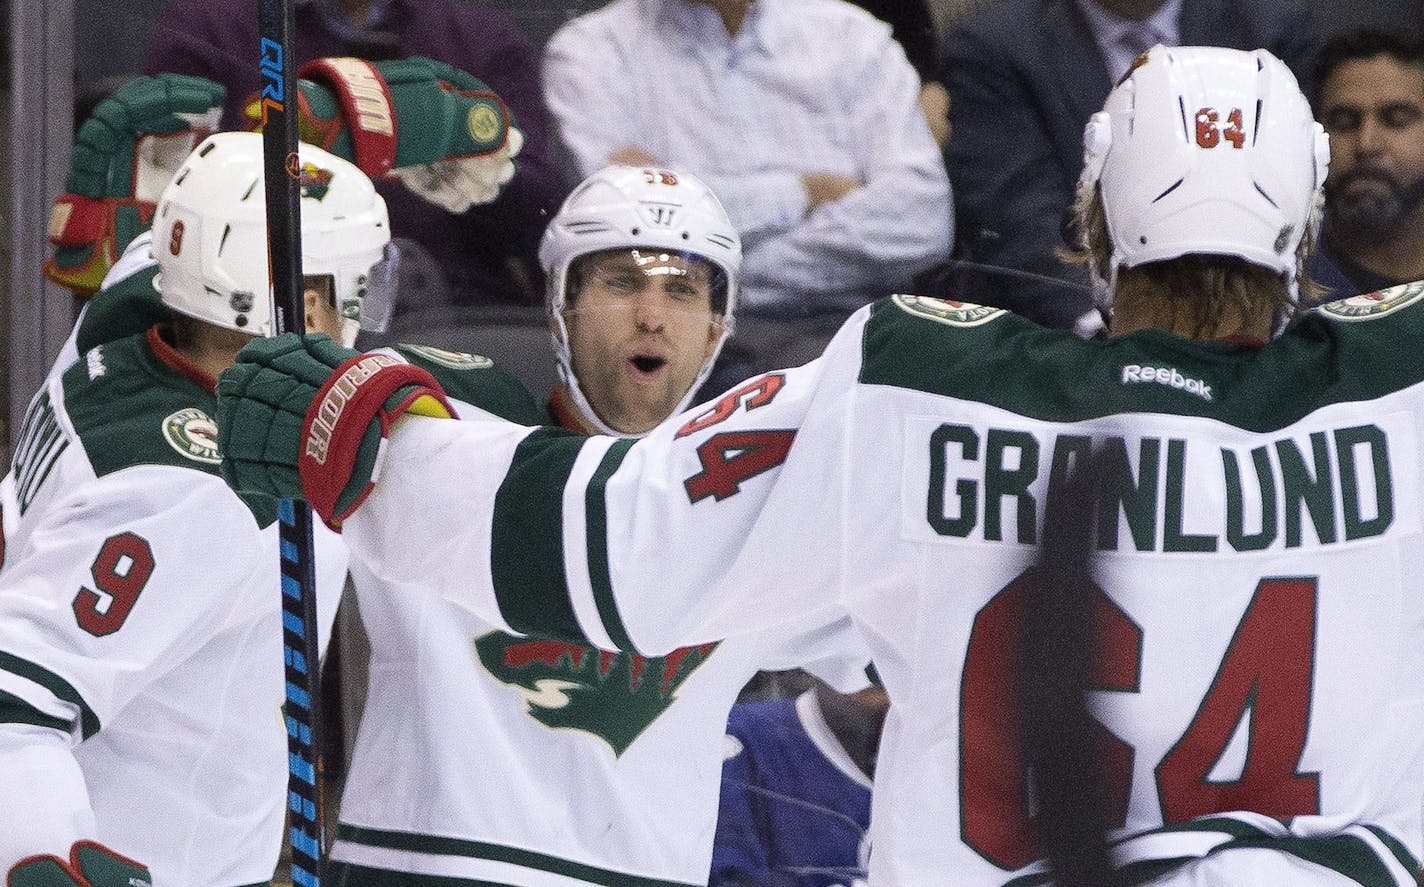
(1024, 76)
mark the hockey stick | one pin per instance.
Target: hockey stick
(282, 179)
(1056, 647)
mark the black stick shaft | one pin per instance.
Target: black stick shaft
(282, 179)
(1056, 649)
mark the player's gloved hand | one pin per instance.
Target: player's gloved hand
(304, 418)
(89, 865)
(442, 132)
(124, 156)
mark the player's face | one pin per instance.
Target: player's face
(1374, 111)
(640, 327)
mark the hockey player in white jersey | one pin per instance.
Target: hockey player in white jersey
(140, 638)
(1258, 532)
(489, 757)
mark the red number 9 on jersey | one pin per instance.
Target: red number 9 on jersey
(121, 570)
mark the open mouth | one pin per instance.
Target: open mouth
(647, 363)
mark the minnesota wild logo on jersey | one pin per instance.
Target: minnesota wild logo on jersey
(193, 434)
(614, 696)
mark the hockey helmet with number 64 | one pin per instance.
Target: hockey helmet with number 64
(1202, 150)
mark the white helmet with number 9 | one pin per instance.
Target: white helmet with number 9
(628, 207)
(210, 233)
(1202, 150)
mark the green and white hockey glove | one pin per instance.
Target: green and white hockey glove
(123, 157)
(445, 134)
(304, 418)
(89, 865)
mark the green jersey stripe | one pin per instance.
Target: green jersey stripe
(1350, 855)
(1223, 825)
(349, 874)
(55, 684)
(597, 515)
(1395, 846)
(436, 845)
(14, 710)
(526, 537)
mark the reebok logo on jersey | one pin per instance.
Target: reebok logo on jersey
(94, 363)
(1169, 376)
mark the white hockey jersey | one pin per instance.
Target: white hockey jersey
(141, 664)
(1260, 548)
(487, 757)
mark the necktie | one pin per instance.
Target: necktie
(1139, 38)
(1136, 40)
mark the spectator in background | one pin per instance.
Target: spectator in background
(796, 789)
(912, 26)
(803, 116)
(488, 252)
(1025, 76)
(1371, 100)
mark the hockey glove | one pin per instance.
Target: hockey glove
(89, 865)
(307, 419)
(442, 132)
(124, 156)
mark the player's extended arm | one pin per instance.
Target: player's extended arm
(305, 419)
(90, 864)
(635, 545)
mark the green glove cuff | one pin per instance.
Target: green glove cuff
(463, 116)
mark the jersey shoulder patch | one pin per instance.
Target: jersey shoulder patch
(949, 312)
(128, 408)
(455, 360)
(476, 380)
(1372, 306)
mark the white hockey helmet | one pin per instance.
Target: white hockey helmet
(629, 207)
(1206, 150)
(210, 233)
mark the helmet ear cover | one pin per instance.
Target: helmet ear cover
(210, 233)
(625, 208)
(1203, 150)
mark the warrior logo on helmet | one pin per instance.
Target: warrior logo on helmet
(614, 696)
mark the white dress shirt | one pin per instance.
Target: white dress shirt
(805, 86)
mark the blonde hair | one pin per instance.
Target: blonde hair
(1201, 289)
